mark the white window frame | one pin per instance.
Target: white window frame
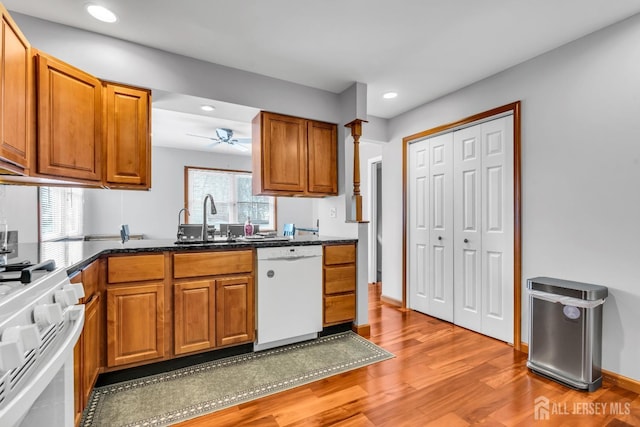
(194, 207)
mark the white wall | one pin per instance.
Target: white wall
(580, 173)
(154, 213)
(19, 207)
(118, 60)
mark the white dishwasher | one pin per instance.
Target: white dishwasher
(288, 295)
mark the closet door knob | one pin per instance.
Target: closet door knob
(439, 237)
(466, 240)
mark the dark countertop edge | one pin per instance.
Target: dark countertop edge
(142, 248)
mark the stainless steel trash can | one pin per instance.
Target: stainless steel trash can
(565, 331)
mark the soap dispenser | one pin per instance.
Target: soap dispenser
(248, 227)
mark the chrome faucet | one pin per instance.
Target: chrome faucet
(186, 211)
(180, 229)
(205, 230)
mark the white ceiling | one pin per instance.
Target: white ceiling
(422, 49)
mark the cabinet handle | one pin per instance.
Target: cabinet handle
(439, 237)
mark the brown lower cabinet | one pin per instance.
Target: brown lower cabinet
(234, 310)
(339, 284)
(194, 316)
(198, 300)
(86, 353)
(135, 323)
(213, 300)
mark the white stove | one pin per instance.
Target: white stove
(40, 323)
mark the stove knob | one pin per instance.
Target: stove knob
(11, 355)
(65, 297)
(78, 289)
(28, 335)
(47, 314)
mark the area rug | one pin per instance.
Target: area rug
(171, 397)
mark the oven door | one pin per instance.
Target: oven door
(46, 398)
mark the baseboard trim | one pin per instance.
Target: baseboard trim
(391, 301)
(362, 330)
(607, 376)
(621, 381)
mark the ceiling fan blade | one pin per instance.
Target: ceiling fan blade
(205, 137)
(238, 146)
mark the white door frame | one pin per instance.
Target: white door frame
(514, 109)
(371, 207)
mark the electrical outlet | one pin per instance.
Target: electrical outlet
(333, 213)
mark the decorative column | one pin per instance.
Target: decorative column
(356, 132)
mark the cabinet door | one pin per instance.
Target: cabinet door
(283, 153)
(234, 310)
(128, 142)
(15, 93)
(339, 308)
(194, 316)
(69, 121)
(91, 346)
(135, 323)
(322, 171)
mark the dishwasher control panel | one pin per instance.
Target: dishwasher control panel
(284, 252)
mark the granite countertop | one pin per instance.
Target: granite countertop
(75, 255)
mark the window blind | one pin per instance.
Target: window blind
(61, 212)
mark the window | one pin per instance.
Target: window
(60, 212)
(233, 196)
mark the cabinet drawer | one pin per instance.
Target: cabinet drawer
(212, 263)
(339, 254)
(135, 268)
(339, 308)
(339, 279)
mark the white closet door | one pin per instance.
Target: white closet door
(497, 236)
(468, 227)
(440, 274)
(418, 230)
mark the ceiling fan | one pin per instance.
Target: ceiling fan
(226, 135)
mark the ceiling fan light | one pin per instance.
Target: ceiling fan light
(101, 13)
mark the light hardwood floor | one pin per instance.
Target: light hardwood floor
(442, 375)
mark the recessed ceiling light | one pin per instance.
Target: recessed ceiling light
(208, 108)
(390, 95)
(101, 13)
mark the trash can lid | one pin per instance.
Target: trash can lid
(568, 288)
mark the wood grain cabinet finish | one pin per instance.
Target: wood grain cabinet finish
(69, 121)
(91, 345)
(198, 264)
(235, 310)
(127, 137)
(16, 91)
(322, 151)
(293, 156)
(339, 284)
(194, 316)
(135, 323)
(86, 353)
(135, 268)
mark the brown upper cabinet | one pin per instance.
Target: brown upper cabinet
(293, 156)
(16, 91)
(127, 137)
(60, 125)
(69, 121)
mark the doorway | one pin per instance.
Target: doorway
(375, 215)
